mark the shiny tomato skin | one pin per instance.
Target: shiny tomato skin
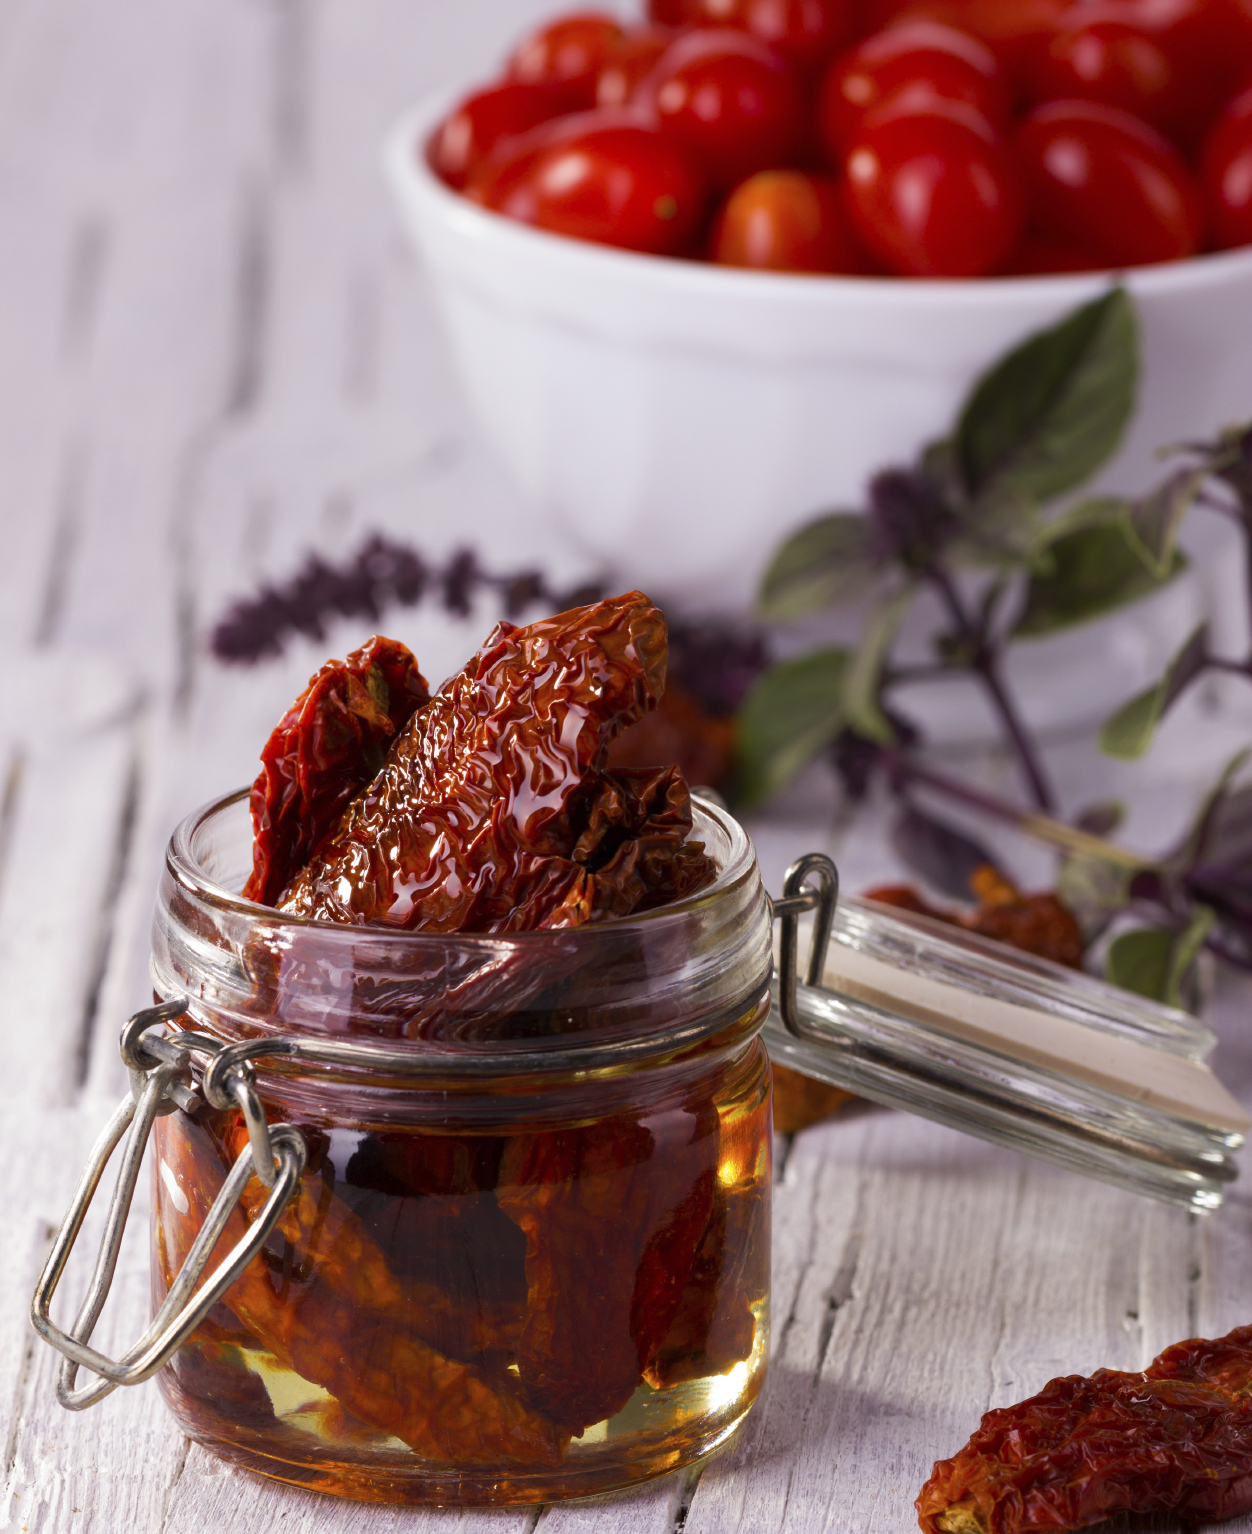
(806, 32)
(568, 53)
(785, 221)
(484, 122)
(1113, 62)
(630, 64)
(1212, 39)
(1014, 30)
(1101, 179)
(600, 176)
(923, 57)
(1226, 174)
(933, 193)
(727, 100)
(670, 13)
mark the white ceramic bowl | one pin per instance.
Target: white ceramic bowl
(674, 419)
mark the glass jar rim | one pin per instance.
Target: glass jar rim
(185, 866)
(599, 994)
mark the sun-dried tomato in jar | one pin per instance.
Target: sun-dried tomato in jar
(534, 1261)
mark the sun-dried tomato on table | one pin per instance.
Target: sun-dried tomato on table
(487, 1290)
(1175, 1439)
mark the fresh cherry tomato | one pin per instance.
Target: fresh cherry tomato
(484, 122)
(922, 57)
(570, 53)
(933, 193)
(1014, 30)
(1101, 179)
(630, 64)
(670, 13)
(1210, 40)
(1226, 174)
(601, 176)
(729, 101)
(806, 32)
(1114, 62)
(785, 221)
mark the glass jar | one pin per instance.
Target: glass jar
(528, 1257)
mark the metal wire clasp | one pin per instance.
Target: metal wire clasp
(800, 895)
(163, 1080)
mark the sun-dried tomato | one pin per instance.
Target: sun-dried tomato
(801, 1100)
(603, 1208)
(327, 746)
(493, 811)
(1037, 924)
(327, 1304)
(1175, 1439)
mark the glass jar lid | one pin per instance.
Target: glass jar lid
(909, 1012)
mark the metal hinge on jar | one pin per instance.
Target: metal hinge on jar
(163, 1079)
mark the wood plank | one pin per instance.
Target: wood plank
(108, 1468)
(71, 816)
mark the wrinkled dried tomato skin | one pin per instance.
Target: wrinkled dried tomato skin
(1175, 1439)
(480, 1298)
(326, 747)
(493, 811)
(1037, 924)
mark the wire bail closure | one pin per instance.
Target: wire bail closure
(162, 1080)
(811, 884)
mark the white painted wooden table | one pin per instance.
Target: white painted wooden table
(215, 354)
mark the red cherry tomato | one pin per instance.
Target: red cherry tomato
(1114, 62)
(599, 176)
(484, 122)
(1101, 179)
(630, 64)
(669, 13)
(1210, 40)
(785, 221)
(1226, 174)
(923, 57)
(570, 53)
(933, 193)
(806, 32)
(729, 101)
(1014, 30)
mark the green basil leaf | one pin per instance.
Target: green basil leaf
(1154, 519)
(1090, 572)
(1094, 889)
(1186, 950)
(792, 711)
(1049, 414)
(1139, 961)
(999, 528)
(1128, 733)
(1100, 511)
(826, 562)
(861, 682)
(1155, 962)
